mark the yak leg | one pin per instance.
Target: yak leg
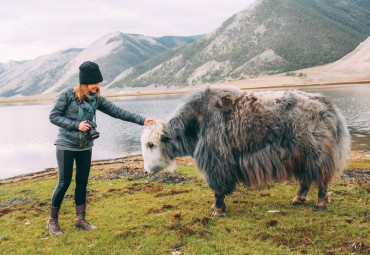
(323, 199)
(301, 196)
(219, 207)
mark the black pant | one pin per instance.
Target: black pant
(65, 160)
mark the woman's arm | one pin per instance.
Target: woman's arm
(114, 111)
(56, 115)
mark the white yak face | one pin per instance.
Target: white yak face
(153, 149)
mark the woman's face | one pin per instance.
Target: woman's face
(93, 87)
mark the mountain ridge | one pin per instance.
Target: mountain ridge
(114, 52)
(268, 37)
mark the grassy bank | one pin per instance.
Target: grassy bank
(169, 214)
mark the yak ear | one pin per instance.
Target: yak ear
(225, 103)
(165, 139)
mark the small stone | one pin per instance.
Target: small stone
(27, 223)
(273, 211)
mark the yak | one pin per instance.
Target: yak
(253, 138)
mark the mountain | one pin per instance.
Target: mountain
(268, 37)
(34, 76)
(355, 65)
(11, 64)
(113, 52)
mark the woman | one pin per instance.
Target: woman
(73, 111)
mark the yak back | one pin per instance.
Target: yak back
(256, 137)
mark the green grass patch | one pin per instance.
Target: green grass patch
(143, 216)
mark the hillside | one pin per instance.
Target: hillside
(4, 67)
(168, 213)
(353, 67)
(268, 37)
(114, 53)
(34, 76)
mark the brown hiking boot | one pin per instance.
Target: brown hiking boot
(52, 223)
(80, 221)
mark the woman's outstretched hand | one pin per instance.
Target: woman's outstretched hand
(83, 126)
(149, 121)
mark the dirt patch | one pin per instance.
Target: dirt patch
(162, 209)
(129, 232)
(188, 231)
(171, 193)
(127, 166)
(131, 168)
(177, 215)
(271, 223)
(89, 194)
(205, 221)
(47, 173)
(362, 175)
(40, 203)
(136, 187)
(173, 177)
(134, 174)
(5, 211)
(125, 173)
(17, 201)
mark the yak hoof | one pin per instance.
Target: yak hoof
(298, 200)
(322, 203)
(218, 215)
(218, 212)
(321, 207)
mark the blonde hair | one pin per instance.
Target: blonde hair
(81, 92)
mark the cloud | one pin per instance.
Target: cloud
(32, 28)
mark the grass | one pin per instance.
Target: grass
(143, 216)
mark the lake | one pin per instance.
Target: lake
(27, 136)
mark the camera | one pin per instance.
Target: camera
(93, 133)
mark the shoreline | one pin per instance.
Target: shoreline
(51, 171)
(157, 92)
(135, 161)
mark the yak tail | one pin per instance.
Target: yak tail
(342, 138)
(343, 144)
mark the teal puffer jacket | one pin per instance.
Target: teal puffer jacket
(64, 115)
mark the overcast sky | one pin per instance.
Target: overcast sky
(31, 28)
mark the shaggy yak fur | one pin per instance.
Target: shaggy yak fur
(253, 138)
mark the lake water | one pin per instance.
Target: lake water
(27, 136)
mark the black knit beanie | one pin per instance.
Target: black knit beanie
(90, 73)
